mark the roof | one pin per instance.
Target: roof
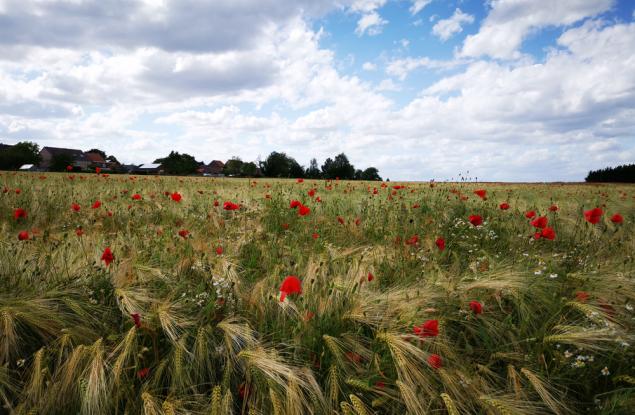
(26, 166)
(95, 157)
(59, 150)
(5, 146)
(150, 166)
(217, 163)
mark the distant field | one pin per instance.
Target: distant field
(403, 301)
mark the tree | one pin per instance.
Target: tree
(281, 165)
(98, 151)
(176, 163)
(371, 173)
(358, 174)
(313, 172)
(249, 169)
(61, 161)
(619, 174)
(112, 159)
(340, 167)
(15, 156)
(233, 167)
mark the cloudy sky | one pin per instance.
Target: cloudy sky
(522, 90)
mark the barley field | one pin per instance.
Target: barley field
(173, 295)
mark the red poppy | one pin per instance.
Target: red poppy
(230, 206)
(176, 196)
(19, 213)
(440, 243)
(416, 206)
(303, 210)
(294, 204)
(476, 307)
(107, 256)
(540, 222)
(593, 215)
(435, 361)
(548, 233)
(18, 191)
(482, 193)
(216, 203)
(285, 226)
(79, 231)
(413, 240)
(429, 328)
(553, 208)
(530, 214)
(75, 207)
(23, 236)
(314, 235)
(136, 196)
(340, 220)
(476, 220)
(142, 373)
(309, 315)
(136, 317)
(504, 206)
(219, 250)
(617, 218)
(370, 277)
(183, 233)
(311, 192)
(96, 205)
(300, 180)
(290, 285)
(69, 168)
(582, 296)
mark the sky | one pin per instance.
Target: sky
(501, 90)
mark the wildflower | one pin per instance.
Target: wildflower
(294, 204)
(107, 256)
(340, 220)
(69, 168)
(230, 206)
(504, 206)
(79, 231)
(357, 221)
(183, 233)
(19, 213)
(435, 361)
(97, 170)
(176, 196)
(96, 205)
(593, 215)
(540, 222)
(142, 373)
(582, 296)
(553, 208)
(548, 233)
(219, 250)
(530, 214)
(136, 196)
(303, 210)
(476, 220)
(285, 226)
(429, 328)
(440, 243)
(482, 193)
(413, 240)
(314, 235)
(23, 236)
(605, 371)
(476, 307)
(617, 218)
(216, 203)
(300, 180)
(136, 317)
(75, 207)
(370, 277)
(290, 285)
(311, 192)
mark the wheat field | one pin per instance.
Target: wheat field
(190, 295)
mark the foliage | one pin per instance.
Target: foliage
(60, 161)
(280, 165)
(176, 325)
(233, 167)
(19, 154)
(176, 163)
(340, 167)
(620, 174)
(98, 151)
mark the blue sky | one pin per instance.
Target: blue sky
(522, 90)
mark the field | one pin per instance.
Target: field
(164, 299)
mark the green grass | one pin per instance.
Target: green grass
(215, 339)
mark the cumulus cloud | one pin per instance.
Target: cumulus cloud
(446, 28)
(509, 22)
(370, 23)
(418, 5)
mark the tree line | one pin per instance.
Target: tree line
(620, 174)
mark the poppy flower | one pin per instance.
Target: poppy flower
(69, 168)
(314, 235)
(340, 220)
(311, 192)
(300, 180)
(216, 203)
(107, 256)
(370, 277)
(136, 196)
(18, 191)
(482, 193)
(219, 250)
(290, 285)
(429, 328)
(176, 196)
(303, 210)
(136, 317)
(97, 170)
(96, 205)
(230, 206)
(285, 226)
(142, 373)
(23, 236)
(476, 307)
(413, 240)
(553, 208)
(75, 207)
(79, 231)
(582, 296)
(294, 204)
(540, 222)
(530, 214)
(435, 361)
(476, 220)
(183, 233)
(593, 215)
(440, 243)
(617, 218)
(416, 206)
(548, 233)
(19, 213)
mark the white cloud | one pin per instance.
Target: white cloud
(388, 85)
(369, 66)
(418, 5)
(400, 68)
(371, 23)
(446, 28)
(509, 22)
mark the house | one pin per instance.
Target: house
(48, 154)
(149, 168)
(96, 160)
(214, 168)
